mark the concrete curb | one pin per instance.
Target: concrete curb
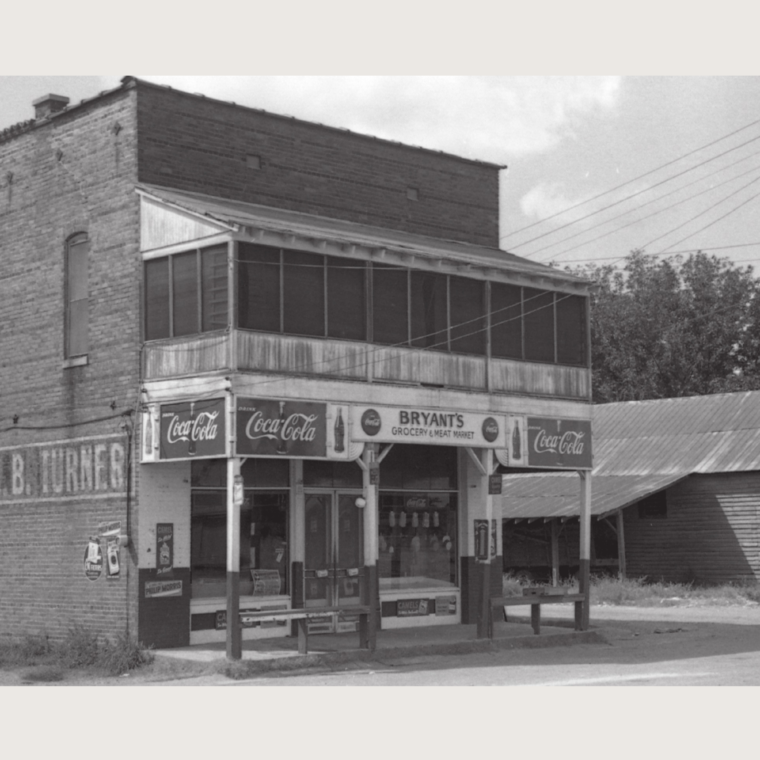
(243, 669)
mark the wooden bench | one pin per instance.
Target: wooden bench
(535, 602)
(367, 638)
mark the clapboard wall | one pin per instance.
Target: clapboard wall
(711, 533)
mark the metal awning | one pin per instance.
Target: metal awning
(557, 495)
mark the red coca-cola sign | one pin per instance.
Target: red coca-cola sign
(559, 443)
(266, 427)
(193, 429)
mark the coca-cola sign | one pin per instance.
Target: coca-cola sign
(559, 443)
(193, 429)
(267, 427)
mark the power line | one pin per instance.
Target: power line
(635, 221)
(633, 195)
(635, 179)
(647, 203)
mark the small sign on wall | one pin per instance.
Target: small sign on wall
(494, 484)
(164, 550)
(481, 533)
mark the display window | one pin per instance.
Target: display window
(418, 518)
(264, 529)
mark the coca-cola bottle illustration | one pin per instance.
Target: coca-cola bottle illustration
(281, 445)
(149, 433)
(191, 441)
(516, 443)
(340, 433)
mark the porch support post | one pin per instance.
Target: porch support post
(484, 622)
(234, 633)
(585, 547)
(555, 552)
(371, 549)
(621, 544)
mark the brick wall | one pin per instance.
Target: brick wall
(75, 173)
(197, 144)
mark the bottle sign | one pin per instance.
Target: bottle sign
(340, 432)
(516, 442)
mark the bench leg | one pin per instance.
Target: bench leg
(303, 636)
(363, 632)
(535, 618)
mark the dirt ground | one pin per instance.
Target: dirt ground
(635, 634)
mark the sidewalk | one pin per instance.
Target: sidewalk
(327, 650)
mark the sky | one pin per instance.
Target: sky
(596, 165)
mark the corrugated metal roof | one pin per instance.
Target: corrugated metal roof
(696, 434)
(544, 495)
(641, 447)
(239, 213)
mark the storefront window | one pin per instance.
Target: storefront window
(418, 540)
(264, 551)
(418, 518)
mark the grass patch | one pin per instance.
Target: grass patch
(80, 649)
(644, 592)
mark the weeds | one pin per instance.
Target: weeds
(79, 649)
(644, 592)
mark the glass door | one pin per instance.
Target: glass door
(334, 556)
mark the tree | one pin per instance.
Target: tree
(678, 327)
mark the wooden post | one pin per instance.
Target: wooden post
(234, 633)
(371, 544)
(621, 544)
(585, 546)
(555, 552)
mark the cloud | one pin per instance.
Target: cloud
(487, 118)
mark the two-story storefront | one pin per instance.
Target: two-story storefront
(260, 363)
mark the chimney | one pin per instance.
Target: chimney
(48, 105)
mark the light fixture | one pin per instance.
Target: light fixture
(361, 502)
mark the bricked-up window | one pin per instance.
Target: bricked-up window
(77, 296)
(186, 293)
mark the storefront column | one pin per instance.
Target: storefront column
(480, 507)
(585, 547)
(371, 549)
(234, 501)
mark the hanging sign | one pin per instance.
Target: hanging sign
(494, 484)
(559, 443)
(267, 427)
(193, 429)
(113, 558)
(432, 426)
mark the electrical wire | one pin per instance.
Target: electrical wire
(629, 197)
(638, 208)
(635, 179)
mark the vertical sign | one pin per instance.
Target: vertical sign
(481, 539)
(165, 550)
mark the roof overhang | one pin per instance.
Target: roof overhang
(173, 219)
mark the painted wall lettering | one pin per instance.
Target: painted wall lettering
(85, 467)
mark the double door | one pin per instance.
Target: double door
(334, 552)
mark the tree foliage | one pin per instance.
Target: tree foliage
(678, 327)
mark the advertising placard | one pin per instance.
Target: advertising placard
(266, 582)
(93, 560)
(156, 589)
(412, 607)
(481, 533)
(559, 443)
(269, 427)
(164, 550)
(193, 429)
(431, 426)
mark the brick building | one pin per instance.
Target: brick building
(232, 343)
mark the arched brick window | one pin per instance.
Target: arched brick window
(76, 295)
